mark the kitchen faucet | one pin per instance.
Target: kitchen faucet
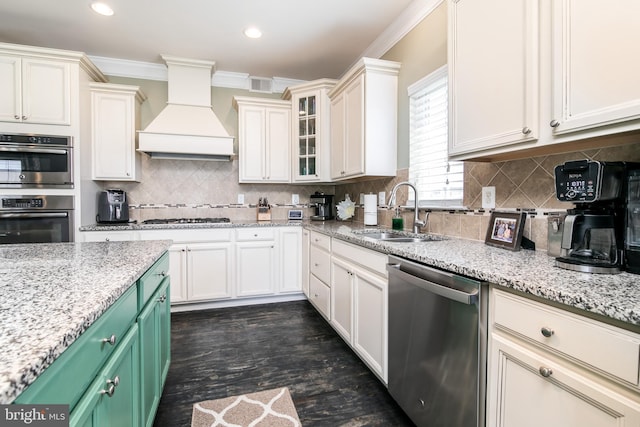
(417, 223)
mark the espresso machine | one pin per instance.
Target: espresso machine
(593, 232)
(632, 238)
(324, 206)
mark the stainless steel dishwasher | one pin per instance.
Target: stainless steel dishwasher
(437, 345)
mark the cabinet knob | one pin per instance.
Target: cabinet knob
(545, 372)
(162, 298)
(109, 391)
(24, 117)
(526, 130)
(161, 274)
(547, 332)
(115, 381)
(17, 117)
(106, 239)
(111, 340)
(554, 123)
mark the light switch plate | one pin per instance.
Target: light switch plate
(488, 197)
(241, 199)
(295, 199)
(382, 196)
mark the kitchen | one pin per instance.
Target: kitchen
(212, 188)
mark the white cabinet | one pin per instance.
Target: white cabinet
(359, 302)
(305, 261)
(320, 272)
(311, 130)
(115, 118)
(493, 74)
(595, 83)
(550, 367)
(108, 236)
(264, 139)
(528, 77)
(363, 117)
(35, 90)
(256, 266)
(291, 260)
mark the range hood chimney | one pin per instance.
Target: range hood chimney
(187, 128)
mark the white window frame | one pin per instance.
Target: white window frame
(450, 191)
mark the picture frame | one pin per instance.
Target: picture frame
(505, 230)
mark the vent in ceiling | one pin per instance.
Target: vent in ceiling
(260, 84)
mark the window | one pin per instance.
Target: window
(439, 181)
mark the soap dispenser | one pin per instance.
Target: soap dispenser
(397, 222)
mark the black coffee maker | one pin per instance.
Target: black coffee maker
(324, 206)
(632, 238)
(593, 233)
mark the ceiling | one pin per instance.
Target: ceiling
(301, 39)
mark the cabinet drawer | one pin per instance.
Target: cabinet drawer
(68, 377)
(150, 280)
(606, 348)
(374, 261)
(321, 240)
(188, 235)
(253, 234)
(320, 296)
(320, 263)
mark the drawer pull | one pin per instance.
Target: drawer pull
(161, 274)
(111, 340)
(109, 391)
(547, 332)
(163, 298)
(545, 372)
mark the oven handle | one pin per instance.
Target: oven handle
(33, 150)
(34, 215)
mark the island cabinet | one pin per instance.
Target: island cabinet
(310, 130)
(532, 77)
(359, 300)
(556, 368)
(264, 140)
(363, 117)
(115, 118)
(113, 374)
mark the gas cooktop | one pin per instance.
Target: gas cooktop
(186, 220)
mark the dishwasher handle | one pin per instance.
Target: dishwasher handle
(443, 291)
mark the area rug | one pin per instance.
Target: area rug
(269, 408)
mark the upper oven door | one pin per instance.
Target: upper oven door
(36, 166)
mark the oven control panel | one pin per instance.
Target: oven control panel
(33, 203)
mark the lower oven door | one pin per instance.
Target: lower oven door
(36, 227)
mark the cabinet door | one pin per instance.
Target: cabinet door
(277, 157)
(354, 127)
(108, 236)
(291, 260)
(493, 74)
(164, 329)
(46, 91)
(113, 398)
(528, 390)
(370, 320)
(252, 140)
(337, 136)
(256, 268)
(342, 298)
(305, 261)
(178, 271)
(10, 89)
(209, 270)
(594, 82)
(113, 136)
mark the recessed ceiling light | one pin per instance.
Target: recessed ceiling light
(253, 33)
(101, 8)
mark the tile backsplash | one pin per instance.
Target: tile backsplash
(178, 188)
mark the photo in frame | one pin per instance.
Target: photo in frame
(505, 230)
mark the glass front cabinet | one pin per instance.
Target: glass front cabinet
(311, 131)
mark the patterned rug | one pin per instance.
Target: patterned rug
(269, 408)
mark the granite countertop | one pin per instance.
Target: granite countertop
(609, 296)
(235, 224)
(51, 293)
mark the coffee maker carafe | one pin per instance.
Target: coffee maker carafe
(324, 206)
(593, 233)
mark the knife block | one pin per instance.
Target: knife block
(264, 213)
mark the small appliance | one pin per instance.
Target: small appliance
(632, 238)
(593, 232)
(112, 206)
(324, 206)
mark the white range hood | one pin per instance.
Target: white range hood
(187, 128)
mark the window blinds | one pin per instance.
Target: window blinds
(439, 181)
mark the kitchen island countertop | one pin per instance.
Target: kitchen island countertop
(51, 293)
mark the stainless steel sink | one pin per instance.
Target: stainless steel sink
(392, 236)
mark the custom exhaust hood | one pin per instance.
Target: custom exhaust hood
(187, 128)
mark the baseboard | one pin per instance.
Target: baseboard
(237, 302)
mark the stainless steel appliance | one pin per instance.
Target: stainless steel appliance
(632, 238)
(593, 232)
(113, 206)
(35, 161)
(36, 219)
(324, 206)
(437, 344)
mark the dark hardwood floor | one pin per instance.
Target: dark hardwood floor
(230, 351)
